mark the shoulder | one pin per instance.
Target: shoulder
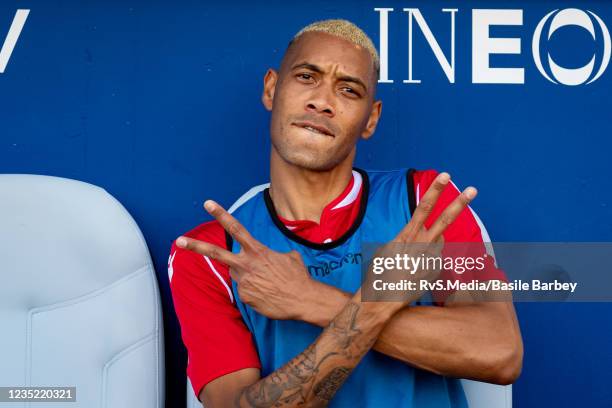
(422, 177)
(376, 175)
(410, 175)
(211, 232)
(192, 274)
(466, 228)
(386, 182)
(249, 196)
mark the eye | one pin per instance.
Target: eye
(350, 91)
(304, 76)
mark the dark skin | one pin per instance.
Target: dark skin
(467, 339)
(330, 83)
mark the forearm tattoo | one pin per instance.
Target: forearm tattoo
(303, 381)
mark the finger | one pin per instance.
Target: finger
(209, 250)
(425, 207)
(232, 226)
(450, 213)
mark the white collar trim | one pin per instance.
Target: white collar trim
(353, 194)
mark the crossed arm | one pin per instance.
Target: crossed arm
(465, 339)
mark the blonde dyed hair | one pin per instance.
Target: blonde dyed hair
(345, 30)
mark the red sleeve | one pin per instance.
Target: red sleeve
(216, 338)
(466, 228)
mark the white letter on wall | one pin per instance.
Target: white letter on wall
(483, 46)
(11, 38)
(384, 45)
(449, 68)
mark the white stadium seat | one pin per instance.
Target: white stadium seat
(79, 302)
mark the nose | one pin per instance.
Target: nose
(321, 101)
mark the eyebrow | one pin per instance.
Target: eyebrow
(319, 70)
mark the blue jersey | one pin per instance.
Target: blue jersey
(378, 380)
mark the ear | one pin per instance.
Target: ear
(267, 97)
(372, 120)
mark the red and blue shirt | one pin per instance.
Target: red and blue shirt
(212, 326)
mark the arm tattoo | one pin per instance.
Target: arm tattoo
(299, 381)
(327, 387)
(268, 391)
(345, 331)
(343, 327)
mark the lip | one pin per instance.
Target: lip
(318, 127)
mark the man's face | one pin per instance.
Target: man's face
(321, 101)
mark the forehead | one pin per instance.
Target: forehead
(330, 52)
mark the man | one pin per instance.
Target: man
(269, 298)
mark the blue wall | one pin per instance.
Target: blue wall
(158, 103)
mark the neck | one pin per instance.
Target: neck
(302, 194)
